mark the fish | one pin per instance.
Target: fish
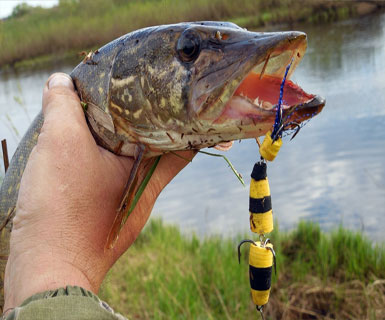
(180, 87)
(184, 86)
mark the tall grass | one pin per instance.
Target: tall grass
(169, 276)
(342, 254)
(82, 24)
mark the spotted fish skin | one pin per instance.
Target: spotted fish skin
(142, 90)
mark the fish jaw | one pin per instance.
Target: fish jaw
(250, 109)
(242, 53)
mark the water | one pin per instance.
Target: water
(333, 172)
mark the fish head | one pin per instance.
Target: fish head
(236, 80)
(192, 85)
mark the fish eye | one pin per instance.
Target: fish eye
(188, 46)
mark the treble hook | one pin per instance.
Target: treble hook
(239, 248)
(284, 127)
(273, 252)
(294, 125)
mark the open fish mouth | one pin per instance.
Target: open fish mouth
(255, 100)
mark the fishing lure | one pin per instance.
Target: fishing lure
(262, 255)
(261, 262)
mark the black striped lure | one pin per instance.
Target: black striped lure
(261, 261)
(261, 213)
(262, 255)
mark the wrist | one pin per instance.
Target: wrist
(42, 268)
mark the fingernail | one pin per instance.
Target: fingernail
(60, 80)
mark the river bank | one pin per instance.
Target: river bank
(35, 36)
(336, 275)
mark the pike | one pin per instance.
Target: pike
(175, 87)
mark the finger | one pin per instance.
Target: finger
(59, 79)
(63, 115)
(60, 98)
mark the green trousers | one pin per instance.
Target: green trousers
(68, 303)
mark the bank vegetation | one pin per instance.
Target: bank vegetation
(76, 25)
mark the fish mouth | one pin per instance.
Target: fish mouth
(255, 98)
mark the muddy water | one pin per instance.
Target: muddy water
(333, 172)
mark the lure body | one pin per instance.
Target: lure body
(261, 213)
(260, 269)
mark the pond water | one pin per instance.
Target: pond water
(333, 172)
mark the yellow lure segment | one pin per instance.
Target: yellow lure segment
(262, 223)
(259, 189)
(269, 149)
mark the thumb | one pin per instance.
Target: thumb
(59, 79)
(61, 102)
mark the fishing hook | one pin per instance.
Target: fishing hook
(288, 126)
(239, 248)
(293, 125)
(264, 245)
(284, 127)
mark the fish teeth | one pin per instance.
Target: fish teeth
(267, 105)
(256, 101)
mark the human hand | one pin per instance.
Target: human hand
(69, 194)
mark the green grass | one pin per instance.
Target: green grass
(342, 254)
(165, 275)
(76, 25)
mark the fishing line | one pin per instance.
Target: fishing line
(277, 128)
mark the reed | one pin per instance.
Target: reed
(76, 25)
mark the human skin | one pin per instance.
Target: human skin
(69, 194)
